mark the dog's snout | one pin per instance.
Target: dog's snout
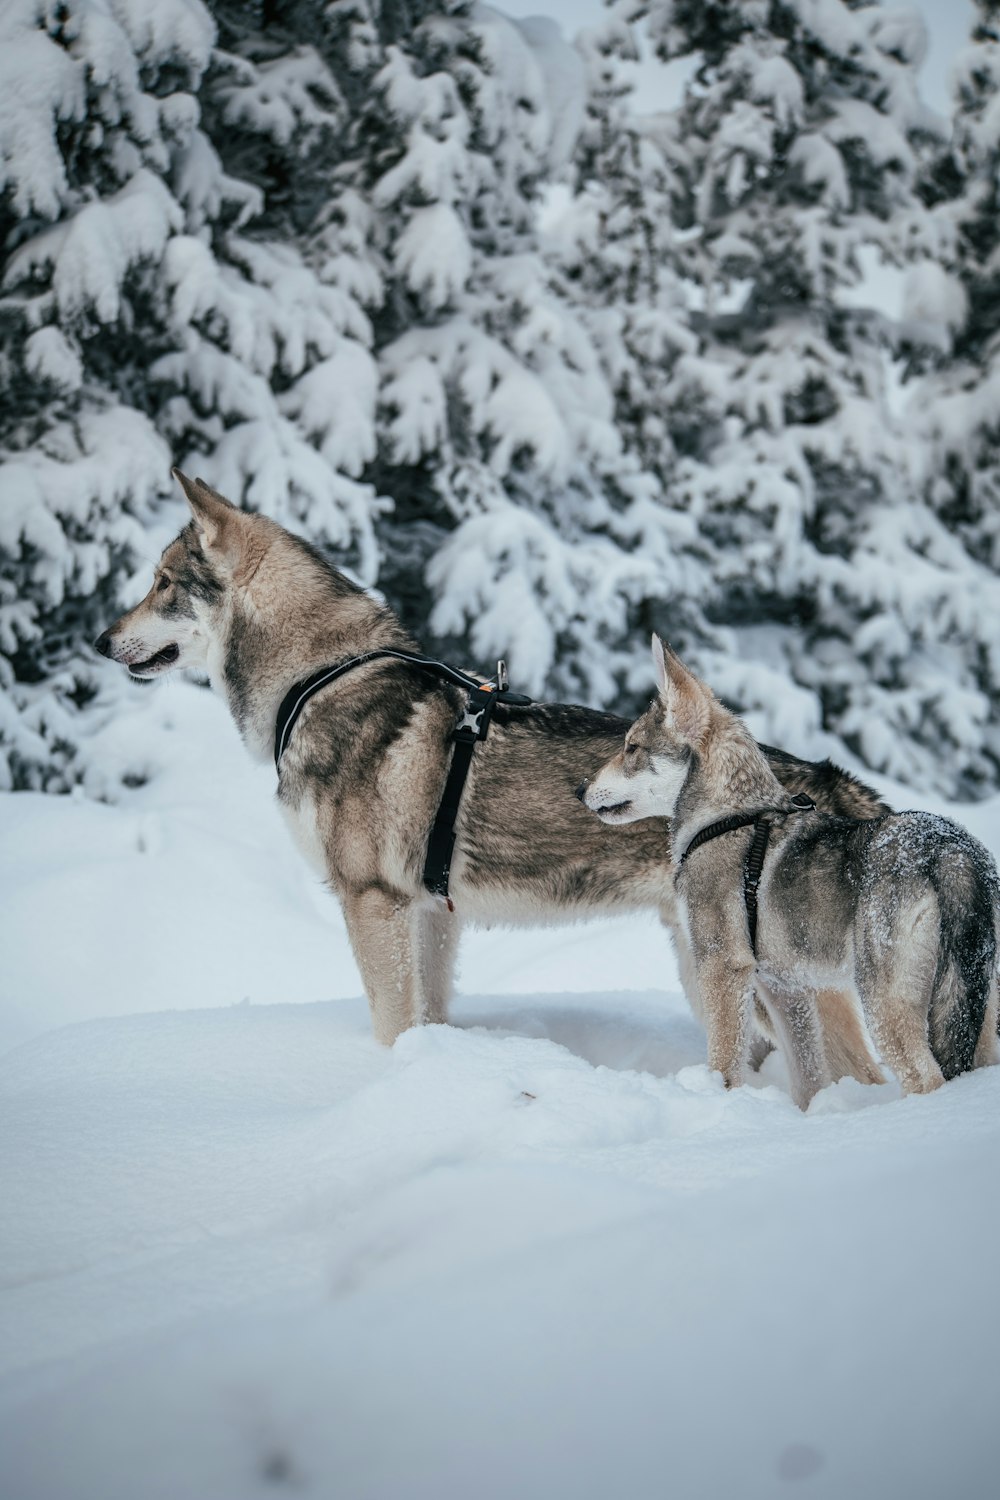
(103, 643)
(581, 791)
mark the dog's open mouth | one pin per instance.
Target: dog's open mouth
(153, 664)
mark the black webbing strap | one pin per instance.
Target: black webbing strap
(724, 825)
(474, 726)
(751, 876)
(753, 869)
(298, 696)
(441, 843)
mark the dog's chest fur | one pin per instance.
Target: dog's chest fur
(301, 819)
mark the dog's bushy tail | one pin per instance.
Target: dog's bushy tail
(964, 994)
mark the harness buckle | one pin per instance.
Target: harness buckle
(475, 721)
(470, 722)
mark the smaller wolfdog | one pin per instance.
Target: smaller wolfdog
(906, 906)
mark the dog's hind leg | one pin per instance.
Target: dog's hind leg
(901, 1035)
(896, 967)
(382, 927)
(844, 1042)
(438, 933)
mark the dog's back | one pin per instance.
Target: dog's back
(833, 789)
(522, 825)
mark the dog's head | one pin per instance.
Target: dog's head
(173, 625)
(645, 778)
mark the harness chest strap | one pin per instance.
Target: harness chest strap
(754, 866)
(473, 726)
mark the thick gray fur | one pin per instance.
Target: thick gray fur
(904, 908)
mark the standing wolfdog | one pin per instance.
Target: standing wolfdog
(362, 776)
(907, 907)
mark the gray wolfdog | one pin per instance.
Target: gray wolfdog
(905, 907)
(362, 776)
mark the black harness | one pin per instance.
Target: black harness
(754, 866)
(473, 726)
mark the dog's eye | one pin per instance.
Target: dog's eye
(163, 582)
(631, 749)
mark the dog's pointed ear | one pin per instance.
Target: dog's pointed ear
(659, 663)
(217, 518)
(687, 700)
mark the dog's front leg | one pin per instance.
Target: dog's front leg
(382, 926)
(795, 1018)
(727, 994)
(439, 931)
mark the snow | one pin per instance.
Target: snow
(539, 1251)
(433, 255)
(39, 84)
(935, 305)
(821, 165)
(773, 80)
(335, 403)
(565, 84)
(49, 355)
(92, 253)
(281, 97)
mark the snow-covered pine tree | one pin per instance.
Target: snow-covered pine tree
(952, 336)
(271, 388)
(139, 305)
(497, 436)
(468, 391)
(615, 240)
(302, 255)
(84, 215)
(799, 142)
(319, 275)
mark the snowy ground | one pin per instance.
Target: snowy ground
(538, 1253)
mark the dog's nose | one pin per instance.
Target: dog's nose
(581, 791)
(103, 643)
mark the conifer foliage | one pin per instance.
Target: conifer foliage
(85, 215)
(416, 279)
(294, 245)
(497, 437)
(800, 147)
(953, 341)
(144, 320)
